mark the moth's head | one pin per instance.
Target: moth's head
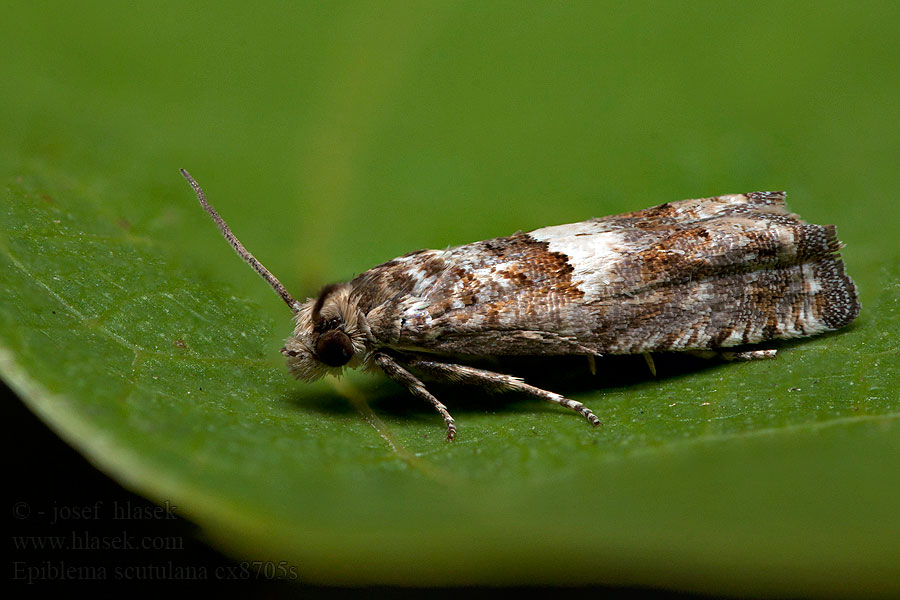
(330, 332)
(328, 335)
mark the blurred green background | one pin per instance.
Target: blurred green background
(334, 136)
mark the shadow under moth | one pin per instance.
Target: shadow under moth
(696, 275)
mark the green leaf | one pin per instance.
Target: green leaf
(129, 326)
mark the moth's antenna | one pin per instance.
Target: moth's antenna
(239, 247)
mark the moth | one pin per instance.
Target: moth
(696, 275)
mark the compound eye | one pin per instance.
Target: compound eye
(334, 348)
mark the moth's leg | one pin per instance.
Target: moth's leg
(498, 382)
(750, 355)
(735, 356)
(650, 364)
(393, 370)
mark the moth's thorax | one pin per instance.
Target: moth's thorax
(330, 333)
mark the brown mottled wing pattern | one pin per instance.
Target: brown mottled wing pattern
(695, 274)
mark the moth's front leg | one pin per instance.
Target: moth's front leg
(396, 372)
(497, 381)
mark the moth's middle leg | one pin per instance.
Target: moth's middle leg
(455, 373)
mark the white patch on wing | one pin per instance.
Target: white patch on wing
(593, 250)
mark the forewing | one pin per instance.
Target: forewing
(699, 273)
